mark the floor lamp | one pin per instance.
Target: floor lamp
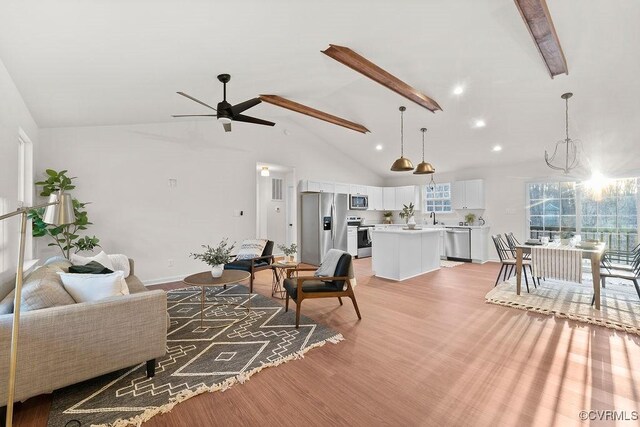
(59, 211)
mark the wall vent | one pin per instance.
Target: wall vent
(276, 188)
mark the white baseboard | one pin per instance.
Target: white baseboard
(161, 280)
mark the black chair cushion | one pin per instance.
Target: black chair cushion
(342, 270)
(291, 286)
(245, 264)
(268, 249)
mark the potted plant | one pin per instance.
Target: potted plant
(289, 251)
(388, 217)
(216, 257)
(470, 218)
(565, 237)
(407, 214)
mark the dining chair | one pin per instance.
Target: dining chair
(508, 261)
(632, 275)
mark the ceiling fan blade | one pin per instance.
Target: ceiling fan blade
(193, 115)
(239, 108)
(196, 100)
(227, 127)
(249, 119)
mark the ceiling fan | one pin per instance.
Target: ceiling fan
(226, 113)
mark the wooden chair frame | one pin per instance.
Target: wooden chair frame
(301, 295)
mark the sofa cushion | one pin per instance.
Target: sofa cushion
(43, 289)
(94, 267)
(135, 285)
(6, 305)
(102, 258)
(291, 286)
(121, 262)
(94, 287)
(251, 249)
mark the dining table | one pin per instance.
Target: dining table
(594, 254)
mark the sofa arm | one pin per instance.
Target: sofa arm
(60, 346)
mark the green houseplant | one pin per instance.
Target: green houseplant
(407, 214)
(288, 251)
(216, 257)
(66, 237)
(470, 218)
(388, 215)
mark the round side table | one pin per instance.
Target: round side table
(228, 277)
(279, 274)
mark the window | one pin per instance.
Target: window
(609, 214)
(437, 199)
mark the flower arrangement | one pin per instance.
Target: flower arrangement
(289, 250)
(218, 255)
(407, 212)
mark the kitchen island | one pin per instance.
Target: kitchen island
(399, 254)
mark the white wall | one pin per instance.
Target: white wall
(14, 116)
(124, 171)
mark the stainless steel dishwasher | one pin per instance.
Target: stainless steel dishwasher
(457, 243)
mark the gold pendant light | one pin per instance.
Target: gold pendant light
(423, 167)
(402, 164)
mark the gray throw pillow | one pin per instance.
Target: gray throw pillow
(43, 289)
(6, 305)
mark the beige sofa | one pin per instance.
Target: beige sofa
(63, 345)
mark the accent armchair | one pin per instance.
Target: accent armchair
(252, 265)
(302, 287)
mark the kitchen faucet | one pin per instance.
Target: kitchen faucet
(433, 214)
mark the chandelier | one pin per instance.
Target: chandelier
(566, 154)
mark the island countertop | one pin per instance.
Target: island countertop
(398, 230)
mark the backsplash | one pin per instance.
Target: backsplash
(449, 218)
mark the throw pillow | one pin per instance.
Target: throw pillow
(6, 305)
(251, 249)
(94, 287)
(120, 263)
(43, 289)
(60, 262)
(102, 258)
(93, 267)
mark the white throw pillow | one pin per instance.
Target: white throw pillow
(251, 249)
(120, 262)
(101, 258)
(94, 287)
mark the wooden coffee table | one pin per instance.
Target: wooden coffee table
(228, 277)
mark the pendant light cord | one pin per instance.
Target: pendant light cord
(401, 133)
(566, 118)
(423, 145)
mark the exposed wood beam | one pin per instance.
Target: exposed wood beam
(536, 16)
(362, 65)
(312, 112)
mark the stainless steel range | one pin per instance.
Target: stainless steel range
(364, 235)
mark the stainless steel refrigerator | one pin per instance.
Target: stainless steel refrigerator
(324, 225)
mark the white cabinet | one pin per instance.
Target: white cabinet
(341, 188)
(479, 243)
(352, 241)
(389, 198)
(358, 189)
(375, 198)
(467, 194)
(406, 195)
(443, 253)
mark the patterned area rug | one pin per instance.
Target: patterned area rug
(198, 360)
(620, 305)
(447, 263)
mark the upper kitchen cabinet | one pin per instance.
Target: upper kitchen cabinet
(389, 198)
(308, 186)
(467, 194)
(375, 198)
(406, 195)
(358, 189)
(341, 188)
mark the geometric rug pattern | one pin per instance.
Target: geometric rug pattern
(198, 359)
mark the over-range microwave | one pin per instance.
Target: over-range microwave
(358, 202)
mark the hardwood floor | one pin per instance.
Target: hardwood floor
(428, 351)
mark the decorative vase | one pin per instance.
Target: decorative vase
(565, 242)
(387, 220)
(411, 223)
(217, 270)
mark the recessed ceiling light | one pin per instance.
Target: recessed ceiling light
(458, 90)
(379, 147)
(480, 124)
(497, 148)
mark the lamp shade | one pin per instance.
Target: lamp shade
(402, 164)
(61, 212)
(424, 168)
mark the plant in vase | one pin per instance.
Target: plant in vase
(407, 214)
(65, 237)
(565, 237)
(289, 251)
(470, 218)
(216, 257)
(388, 217)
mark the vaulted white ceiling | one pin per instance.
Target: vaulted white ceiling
(84, 63)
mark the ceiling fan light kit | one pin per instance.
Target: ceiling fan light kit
(423, 168)
(402, 164)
